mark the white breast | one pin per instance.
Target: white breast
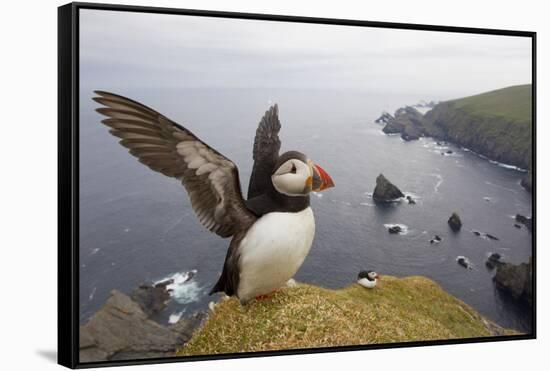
(366, 283)
(273, 250)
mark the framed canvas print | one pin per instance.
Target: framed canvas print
(235, 185)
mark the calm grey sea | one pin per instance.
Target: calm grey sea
(137, 225)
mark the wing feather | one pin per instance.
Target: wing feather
(265, 153)
(211, 179)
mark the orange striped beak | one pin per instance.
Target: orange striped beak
(321, 179)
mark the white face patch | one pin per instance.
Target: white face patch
(291, 178)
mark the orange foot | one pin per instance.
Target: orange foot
(267, 296)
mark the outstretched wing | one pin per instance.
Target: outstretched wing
(211, 180)
(265, 152)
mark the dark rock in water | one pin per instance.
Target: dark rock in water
(393, 127)
(454, 222)
(408, 137)
(152, 298)
(395, 229)
(527, 182)
(527, 222)
(516, 280)
(385, 118)
(491, 237)
(121, 329)
(449, 152)
(463, 261)
(436, 239)
(411, 133)
(493, 260)
(407, 121)
(385, 191)
(477, 233)
(517, 226)
(411, 201)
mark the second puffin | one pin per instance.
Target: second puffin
(272, 231)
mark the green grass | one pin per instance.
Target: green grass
(306, 316)
(496, 124)
(512, 103)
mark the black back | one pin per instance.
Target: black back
(364, 274)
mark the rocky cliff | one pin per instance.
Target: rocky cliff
(496, 124)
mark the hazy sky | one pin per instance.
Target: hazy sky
(138, 50)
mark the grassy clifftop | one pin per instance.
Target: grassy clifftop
(306, 316)
(512, 103)
(496, 124)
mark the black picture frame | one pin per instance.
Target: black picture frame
(68, 177)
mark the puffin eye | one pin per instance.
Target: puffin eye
(293, 170)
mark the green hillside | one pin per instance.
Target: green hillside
(496, 124)
(512, 103)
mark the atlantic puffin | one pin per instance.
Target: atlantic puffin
(368, 279)
(271, 231)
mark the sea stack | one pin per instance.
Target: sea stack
(517, 280)
(385, 191)
(454, 222)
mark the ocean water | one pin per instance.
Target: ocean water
(137, 225)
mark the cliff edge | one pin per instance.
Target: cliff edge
(306, 316)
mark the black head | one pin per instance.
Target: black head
(370, 275)
(296, 175)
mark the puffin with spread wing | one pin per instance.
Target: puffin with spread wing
(272, 231)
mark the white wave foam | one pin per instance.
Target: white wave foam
(175, 317)
(91, 297)
(506, 166)
(366, 204)
(413, 195)
(184, 289)
(94, 251)
(319, 195)
(439, 181)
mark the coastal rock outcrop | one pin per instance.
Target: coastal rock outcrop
(385, 118)
(479, 123)
(517, 280)
(394, 229)
(527, 182)
(454, 222)
(122, 328)
(464, 262)
(152, 298)
(493, 260)
(406, 121)
(411, 200)
(526, 221)
(385, 191)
